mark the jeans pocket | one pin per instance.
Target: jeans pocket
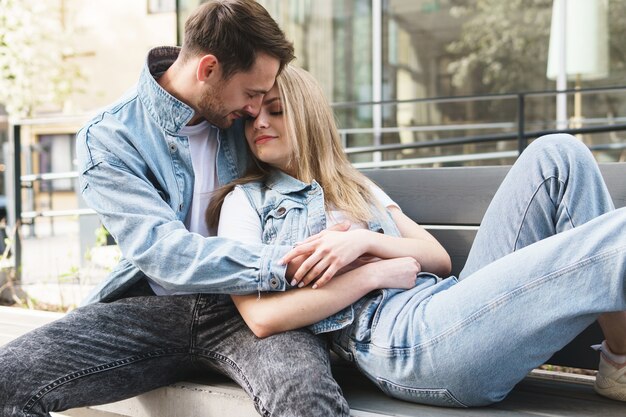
(431, 396)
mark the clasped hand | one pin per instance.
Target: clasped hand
(335, 251)
(321, 256)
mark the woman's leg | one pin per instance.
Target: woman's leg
(555, 185)
(475, 340)
(514, 307)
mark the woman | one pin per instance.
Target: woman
(529, 286)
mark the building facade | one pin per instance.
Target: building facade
(404, 51)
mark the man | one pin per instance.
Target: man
(147, 165)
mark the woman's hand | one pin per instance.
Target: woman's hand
(394, 273)
(327, 252)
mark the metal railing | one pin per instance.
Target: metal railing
(516, 130)
(27, 181)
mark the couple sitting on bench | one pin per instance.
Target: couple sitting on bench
(548, 260)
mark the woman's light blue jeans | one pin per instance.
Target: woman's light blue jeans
(549, 258)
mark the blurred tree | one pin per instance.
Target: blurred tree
(504, 44)
(34, 47)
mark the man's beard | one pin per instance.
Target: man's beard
(213, 110)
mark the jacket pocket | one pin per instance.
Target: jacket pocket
(282, 223)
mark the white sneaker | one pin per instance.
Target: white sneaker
(611, 379)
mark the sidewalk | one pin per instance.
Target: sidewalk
(53, 272)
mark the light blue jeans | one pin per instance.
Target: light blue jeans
(549, 258)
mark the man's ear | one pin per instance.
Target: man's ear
(208, 66)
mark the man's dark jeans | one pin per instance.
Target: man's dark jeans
(107, 352)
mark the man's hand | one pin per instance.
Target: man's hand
(326, 253)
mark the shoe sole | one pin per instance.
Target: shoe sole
(614, 392)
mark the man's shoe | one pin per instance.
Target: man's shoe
(611, 379)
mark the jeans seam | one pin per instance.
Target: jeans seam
(94, 370)
(233, 365)
(194, 324)
(500, 300)
(539, 187)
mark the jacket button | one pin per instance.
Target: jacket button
(281, 210)
(172, 147)
(380, 230)
(274, 282)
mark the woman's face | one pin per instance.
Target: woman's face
(267, 134)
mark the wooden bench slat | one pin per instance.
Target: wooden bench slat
(450, 196)
(457, 243)
(460, 196)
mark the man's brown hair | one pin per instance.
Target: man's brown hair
(235, 31)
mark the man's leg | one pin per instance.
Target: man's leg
(286, 375)
(97, 354)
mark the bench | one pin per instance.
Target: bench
(450, 203)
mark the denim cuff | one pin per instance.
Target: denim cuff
(272, 274)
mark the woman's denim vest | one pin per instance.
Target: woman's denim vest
(290, 211)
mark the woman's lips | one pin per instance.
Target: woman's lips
(263, 139)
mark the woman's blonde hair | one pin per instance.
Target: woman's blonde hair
(317, 151)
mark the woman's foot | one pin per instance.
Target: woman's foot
(611, 377)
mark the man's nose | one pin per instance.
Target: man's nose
(253, 107)
(252, 111)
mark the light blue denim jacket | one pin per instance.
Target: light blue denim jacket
(290, 211)
(136, 172)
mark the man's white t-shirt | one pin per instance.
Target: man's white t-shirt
(203, 146)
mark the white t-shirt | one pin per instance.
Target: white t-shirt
(203, 144)
(239, 220)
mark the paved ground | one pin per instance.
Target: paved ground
(53, 269)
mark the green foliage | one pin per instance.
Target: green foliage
(101, 236)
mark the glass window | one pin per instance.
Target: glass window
(161, 6)
(450, 49)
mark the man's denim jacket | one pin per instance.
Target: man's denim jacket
(290, 211)
(136, 173)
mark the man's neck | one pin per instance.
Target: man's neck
(175, 81)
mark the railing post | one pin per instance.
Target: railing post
(17, 194)
(521, 137)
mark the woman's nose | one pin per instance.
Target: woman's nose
(261, 121)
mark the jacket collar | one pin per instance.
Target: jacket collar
(168, 112)
(286, 184)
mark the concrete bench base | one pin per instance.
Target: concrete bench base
(218, 397)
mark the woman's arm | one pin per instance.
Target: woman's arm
(271, 313)
(416, 241)
(267, 313)
(329, 251)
